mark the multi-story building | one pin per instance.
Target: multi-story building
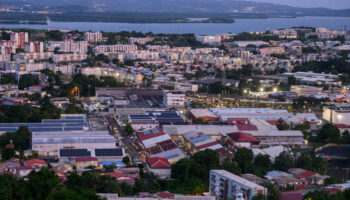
(21, 38)
(93, 37)
(174, 99)
(144, 40)
(32, 47)
(271, 50)
(306, 90)
(69, 57)
(337, 113)
(67, 46)
(8, 46)
(225, 185)
(102, 49)
(315, 78)
(209, 39)
(286, 33)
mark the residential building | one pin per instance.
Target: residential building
(81, 163)
(174, 99)
(33, 47)
(159, 167)
(144, 40)
(209, 39)
(225, 185)
(93, 37)
(20, 38)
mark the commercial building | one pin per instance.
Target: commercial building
(306, 90)
(225, 185)
(50, 143)
(314, 78)
(337, 113)
(267, 114)
(174, 99)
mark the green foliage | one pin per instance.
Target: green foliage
(262, 164)
(273, 192)
(244, 159)
(126, 160)
(8, 79)
(254, 36)
(27, 80)
(328, 132)
(20, 139)
(8, 153)
(284, 161)
(40, 185)
(334, 66)
(231, 166)
(311, 162)
(128, 129)
(54, 35)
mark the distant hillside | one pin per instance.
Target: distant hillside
(206, 6)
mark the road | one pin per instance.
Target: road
(126, 140)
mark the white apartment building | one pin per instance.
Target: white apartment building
(68, 46)
(7, 50)
(69, 57)
(157, 47)
(93, 37)
(225, 185)
(101, 49)
(173, 99)
(134, 40)
(141, 54)
(286, 33)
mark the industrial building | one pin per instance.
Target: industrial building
(49, 143)
(337, 113)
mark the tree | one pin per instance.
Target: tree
(27, 80)
(8, 153)
(284, 161)
(244, 159)
(231, 166)
(126, 160)
(41, 183)
(328, 132)
(262, 164)
(273, 193)
(128, 129)
(8, 79)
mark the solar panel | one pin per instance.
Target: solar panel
(72, 153)
(108, 152)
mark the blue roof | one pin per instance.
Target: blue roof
(200, 139)
(117, 163)
(276, 173)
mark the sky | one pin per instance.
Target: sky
(334, 4)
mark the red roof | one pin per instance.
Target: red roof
(291, 195)
(165, 195)
(10, 146)
(247, 127)
(275, 122)
(305, 174)
(145, 194)
(207, 145)
(158, 162)
(85, 159)
(116, 175)
(34, 162)
(331, 191)
(242, 137)
(342, 126)
(28, 167)
(149, 134)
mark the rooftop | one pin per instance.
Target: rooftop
(237, 179)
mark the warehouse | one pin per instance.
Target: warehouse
(49, 143)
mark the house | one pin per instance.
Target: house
(25, 170)
(62, 166)
(159, 166)
(35, 162)
(283, 180)
(241, 139)
(81, 163)
(203, 115)
(164, 195)
(61, 175)
(291, 195)
(9, 166)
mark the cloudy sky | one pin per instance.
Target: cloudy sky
(335, 4)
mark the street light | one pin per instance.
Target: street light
(245, 91)
(261, 89)
(274, 89)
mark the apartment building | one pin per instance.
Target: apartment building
(93, 37)
(32, 47)
(102, 49)
(209, 39)
(225, 185)
(69, 57)
(67, 46)
(144, 40)
(20, 38)
(286, 33)
(174, 99)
